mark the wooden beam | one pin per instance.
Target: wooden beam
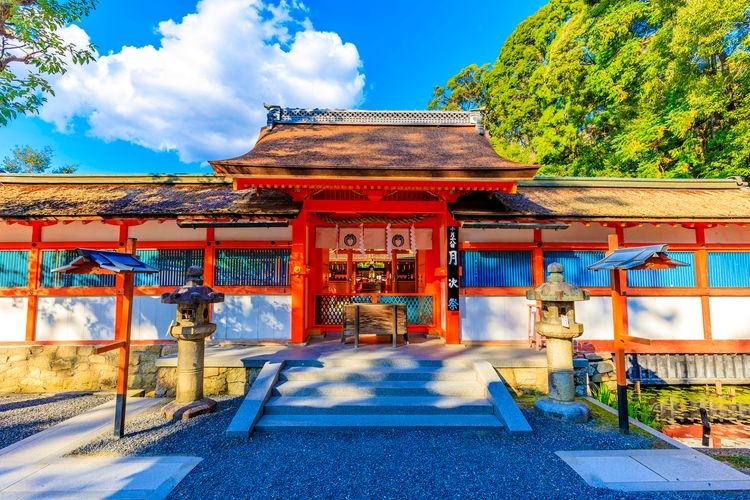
(108, 347)
(366, 206)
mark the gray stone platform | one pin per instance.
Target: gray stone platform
(654, 470)
(35, 467)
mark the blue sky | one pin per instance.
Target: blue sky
(165, 96)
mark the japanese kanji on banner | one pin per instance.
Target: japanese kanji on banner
(452, 264)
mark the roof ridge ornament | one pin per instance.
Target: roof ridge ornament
(278, 114)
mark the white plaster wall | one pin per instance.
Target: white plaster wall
(596, 316)
(730, 318)
(77, 231)
(253, 233)
(165, 231)
(494, 318)
(151, 318)
(665, 318)
(728, 234)
(254, 317)
(579, 232)
(650, 233)
(15, 233)
(495, 235)
(75, 318)
(13, 317)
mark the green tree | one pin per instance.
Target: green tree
(466, 90)
(31, 47)
(27, 160)
(624, 88)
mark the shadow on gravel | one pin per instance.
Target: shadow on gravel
(32, 401)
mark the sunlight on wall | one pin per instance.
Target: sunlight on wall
(75, 318)
(730, 317)
(494, 318)
(13, 314)
(151, 318)
(665, 318)
(254, 317)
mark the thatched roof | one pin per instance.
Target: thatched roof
(611, 199)
(71, 196)
(373, 144)
(197, 197)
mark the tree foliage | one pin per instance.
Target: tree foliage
(464, 91)
(657, 88)
(27, 160)
(31, 47)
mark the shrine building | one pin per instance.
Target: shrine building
(332, 207)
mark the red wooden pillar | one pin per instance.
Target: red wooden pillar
(123, 316)
(34, 270)
(619, 312)
(701, 279)
(298, 277)
(537, 260)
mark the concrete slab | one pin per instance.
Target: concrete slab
(102, 477)
(654, 470)
(68, 435)
(331, 350)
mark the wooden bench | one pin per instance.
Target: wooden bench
(374, 319)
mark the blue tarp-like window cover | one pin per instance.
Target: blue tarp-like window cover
(649, 257)
(650, 266)
(490, 268)
(575, 267)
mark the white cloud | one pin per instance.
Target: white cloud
(200, 93)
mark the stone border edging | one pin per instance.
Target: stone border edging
(251, 409)
(506, 409)
(641, 426)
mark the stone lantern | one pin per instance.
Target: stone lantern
(190, 328)
(558, 326)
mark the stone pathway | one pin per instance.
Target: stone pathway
(654, 470)
(35, 468)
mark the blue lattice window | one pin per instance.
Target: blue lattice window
(496, 269)
(682, 276)
(575, 268)
(252, 267)
(729, 269)
(14, 268)
(56, 258)
(172, 266)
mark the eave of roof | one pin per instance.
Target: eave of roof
(612, 200)
(72, 197)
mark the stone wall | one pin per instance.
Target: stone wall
(235, 381)
(592, 370)
(48, 368)
(525, 378)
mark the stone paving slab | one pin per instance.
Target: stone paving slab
(101, 477)
(654, 470)
(34, 467)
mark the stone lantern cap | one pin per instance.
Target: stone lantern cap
(193, 292)
(555, 289)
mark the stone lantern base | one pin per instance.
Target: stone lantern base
(184, 411)
(568, 411)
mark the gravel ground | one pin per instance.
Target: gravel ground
(22, 415)
(374, 464)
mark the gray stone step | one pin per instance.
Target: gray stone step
(372, 374)
(270, 423)
(364, 363)
(386, 388)
(395, 405)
